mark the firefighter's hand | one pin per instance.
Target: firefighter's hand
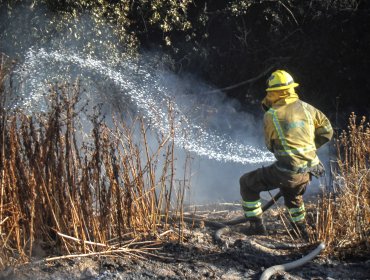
(318, 170)
(320, 140)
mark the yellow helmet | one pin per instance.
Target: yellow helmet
(280, 80)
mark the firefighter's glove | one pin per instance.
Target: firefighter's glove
(318, 170)
(320, 140)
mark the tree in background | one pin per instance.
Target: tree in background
(231, 44)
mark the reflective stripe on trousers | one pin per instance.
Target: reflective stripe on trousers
(252, 208)
(297, 214)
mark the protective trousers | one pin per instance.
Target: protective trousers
(292, 186)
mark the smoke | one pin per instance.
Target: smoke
(217, 180)
(223, 141)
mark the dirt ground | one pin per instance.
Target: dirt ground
(200, 257)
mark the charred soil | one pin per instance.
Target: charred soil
(199, 256)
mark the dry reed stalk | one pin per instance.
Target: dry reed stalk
(151, 175)
(170, 158)
(343, 214)
(55, 185)
(2, 182)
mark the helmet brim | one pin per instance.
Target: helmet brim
(282, 87)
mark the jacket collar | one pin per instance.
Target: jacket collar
(275, 99)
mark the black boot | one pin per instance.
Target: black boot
(256, 226)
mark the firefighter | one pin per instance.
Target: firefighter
(294, 130)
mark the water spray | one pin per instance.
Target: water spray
(146, 91)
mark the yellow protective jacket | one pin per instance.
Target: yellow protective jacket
(294, 130)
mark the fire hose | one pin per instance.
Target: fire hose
(224, 228)
(287, 266)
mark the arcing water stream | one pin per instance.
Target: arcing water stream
(144, 89)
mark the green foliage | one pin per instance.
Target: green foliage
(225, 42)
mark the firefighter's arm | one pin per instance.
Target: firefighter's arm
(323, 129)
(269, 132)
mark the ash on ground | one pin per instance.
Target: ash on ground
(199, 256)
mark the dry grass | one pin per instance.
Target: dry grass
(343, 219)
(73, 197)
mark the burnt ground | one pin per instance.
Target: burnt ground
(200, 257)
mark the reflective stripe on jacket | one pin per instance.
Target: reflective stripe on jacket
(293, 131)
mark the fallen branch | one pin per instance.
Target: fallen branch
(3, 221)
(230, 204)
(289, 11)
(84, 241)
(206, 212)
(125, 246)
(244, 82)
(112, 249)
(107, 252)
